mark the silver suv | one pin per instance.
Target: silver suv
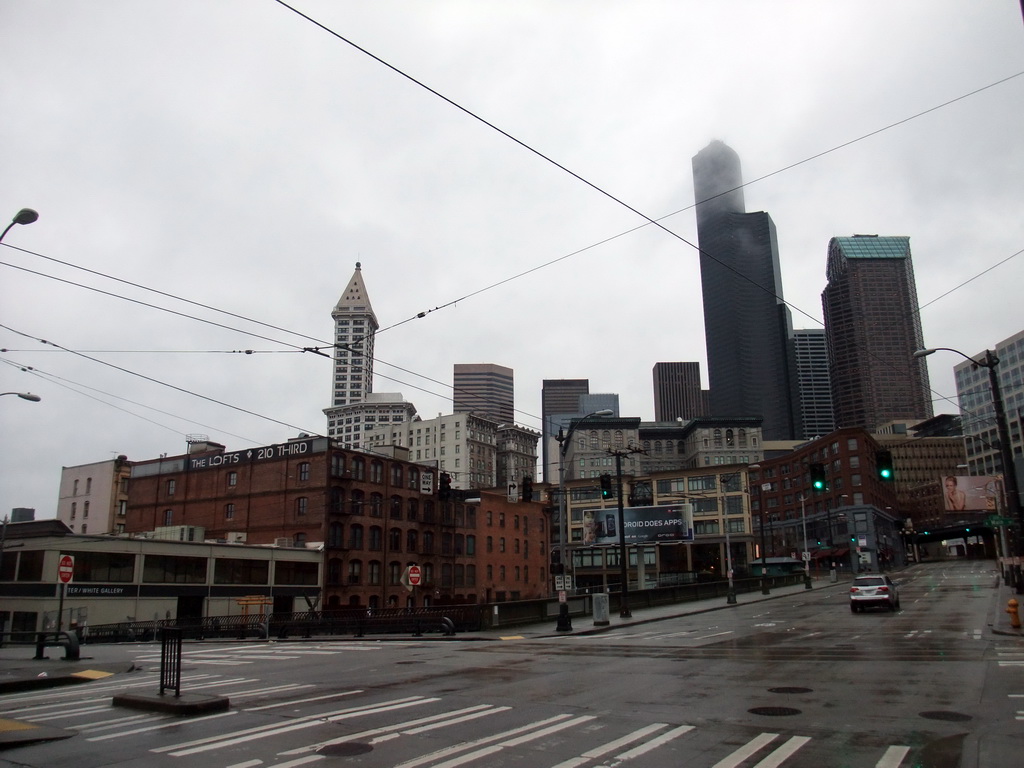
(874, 590)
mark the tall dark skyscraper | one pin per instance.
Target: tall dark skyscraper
(813, 379)
(747, 325)
(557, 396)
(873, 327)
(677, 392)
(485, 389)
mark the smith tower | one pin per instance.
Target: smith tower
(747, 325)
(355, 327)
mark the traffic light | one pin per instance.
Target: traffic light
(527, 488)
(818, 480)
(883, 464)
(556, 563)
(444, 488)
(606, 486)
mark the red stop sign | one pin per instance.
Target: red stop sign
(66, 568)
(415, 575)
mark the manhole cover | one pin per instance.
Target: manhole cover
(790, 689)
(953, 717)
(774, 711)
(347, 749)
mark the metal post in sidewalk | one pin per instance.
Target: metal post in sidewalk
(170, 660)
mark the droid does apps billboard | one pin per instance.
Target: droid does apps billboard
(641, 525)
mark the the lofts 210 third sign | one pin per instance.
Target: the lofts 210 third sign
(293, 449)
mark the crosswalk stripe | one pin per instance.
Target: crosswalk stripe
(293, 702)
(169, 724)
(654, 743)
(893, 757)
(514, 742)
(611, 746)
(455, 749)
(784, 752)
(229, 740)
(420, 725)
(749, 749)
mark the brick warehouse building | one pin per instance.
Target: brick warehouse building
(372, 514)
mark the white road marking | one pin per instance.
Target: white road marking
(893, 757)
(749, 749)
(783, 753)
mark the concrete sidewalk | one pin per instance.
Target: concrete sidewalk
(584, 625)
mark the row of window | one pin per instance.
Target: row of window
(119, 568)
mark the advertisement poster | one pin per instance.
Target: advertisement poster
(642, 525)
(961, 493)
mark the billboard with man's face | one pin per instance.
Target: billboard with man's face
(967, 493)
(642, 525)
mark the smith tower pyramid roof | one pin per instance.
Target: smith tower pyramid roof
(355, 300)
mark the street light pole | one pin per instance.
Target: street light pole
(764, 554)
(564, 621)
(24, 216)
(805, 554)
(24, 396)
(1010, 488)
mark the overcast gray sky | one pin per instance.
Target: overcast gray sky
(237, 155)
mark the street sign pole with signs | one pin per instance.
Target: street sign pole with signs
(65, 572)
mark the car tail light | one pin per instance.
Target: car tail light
(883, 589)
(855, 589)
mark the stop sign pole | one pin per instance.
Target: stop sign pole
(65, 572)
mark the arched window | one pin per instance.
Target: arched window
(395, 512)
(414, 479)
(376, 505)
(718, 438)
(376, 538)
(335, 535)
(428, 543)
(728, 438)
(337, 500)
(355, 571)
(394, 573)
(168, 517)
(593, 439)
(337, 465)
(373, 573)
(619, 438)
(395, 540)
(428, 511)
(358, 469)
(413, 510)
(657, 446)
(356, 503)
(411, 541)
(742, 434)
(334, 570)
(396, 475)
(355, 536)
(376, 471)
(304, 470)
(606, 438)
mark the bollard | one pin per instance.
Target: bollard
(1011, 608)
